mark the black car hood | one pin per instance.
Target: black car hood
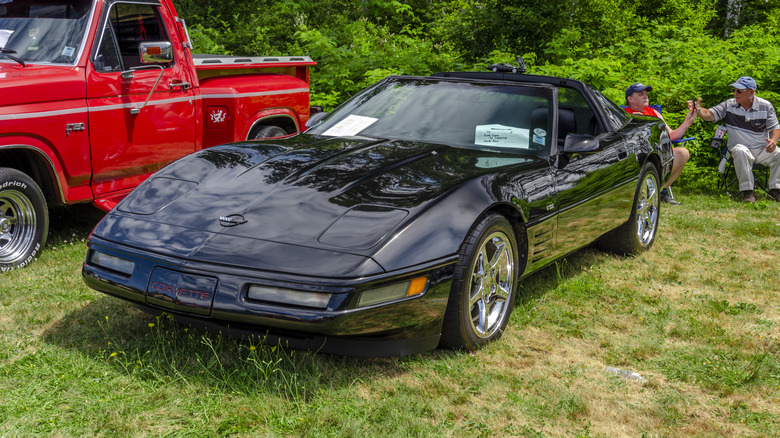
(326, 194)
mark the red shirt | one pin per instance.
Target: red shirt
(649, 111)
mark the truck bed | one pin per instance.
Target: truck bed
(222, 65)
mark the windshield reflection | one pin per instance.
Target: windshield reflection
(43, 31)
(501, 118)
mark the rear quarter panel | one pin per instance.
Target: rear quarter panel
(240, 101)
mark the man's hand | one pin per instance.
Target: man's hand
(771, 145)
(771, 142)
(693, 105)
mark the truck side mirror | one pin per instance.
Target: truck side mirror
(155, 52)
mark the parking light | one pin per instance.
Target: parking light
(112, 263)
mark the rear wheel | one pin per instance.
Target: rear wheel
(483, 286)
(24, 219)
(638, 233)
(266, 131)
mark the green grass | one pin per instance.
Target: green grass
(697, 316)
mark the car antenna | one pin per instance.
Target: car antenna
(507, 68)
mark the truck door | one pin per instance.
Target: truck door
(141, 116)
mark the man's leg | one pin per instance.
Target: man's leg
(681, 156)
(743, 167)
(771, 160)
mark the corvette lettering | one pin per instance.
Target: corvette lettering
(179, 291)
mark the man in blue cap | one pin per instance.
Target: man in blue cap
(753, 131)
(637, 103)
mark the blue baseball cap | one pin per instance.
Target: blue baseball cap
(744, 82)
(633, 88)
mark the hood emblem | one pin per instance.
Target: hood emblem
(232, 220)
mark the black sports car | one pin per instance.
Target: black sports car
(401, 221)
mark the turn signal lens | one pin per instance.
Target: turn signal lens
(393, 292)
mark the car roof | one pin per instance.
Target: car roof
(515, 77)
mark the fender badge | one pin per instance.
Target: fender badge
(232, 220)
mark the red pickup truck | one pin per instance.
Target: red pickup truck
(96, 95)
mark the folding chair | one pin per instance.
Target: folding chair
(727, 181)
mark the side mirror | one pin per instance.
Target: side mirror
(316, 118)
(155, 52)
(581, 143)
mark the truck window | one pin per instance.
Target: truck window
(128, 25)
(44, 31)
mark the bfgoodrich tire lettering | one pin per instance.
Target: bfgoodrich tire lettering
(483, 288)
(638, 234)
(24, 219)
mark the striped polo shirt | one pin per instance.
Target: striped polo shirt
(748, 127)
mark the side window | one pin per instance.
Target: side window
(128, 25)
(575, 116)
(107, 58)
(617, 116)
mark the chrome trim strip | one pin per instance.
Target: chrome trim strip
(43, 114)
(261, 93)
(151, 103)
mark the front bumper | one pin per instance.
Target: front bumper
(215, 297)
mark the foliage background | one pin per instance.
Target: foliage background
(683, 48)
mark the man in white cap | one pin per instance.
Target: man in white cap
(637, 103)
(753, 131)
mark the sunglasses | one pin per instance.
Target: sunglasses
(738, 91)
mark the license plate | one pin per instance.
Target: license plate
(181, 292)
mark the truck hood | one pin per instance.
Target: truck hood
(40, 83)
(334, 194)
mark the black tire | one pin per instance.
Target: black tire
(638, 233)
(483, 286)
(266, 131)
(24, 220)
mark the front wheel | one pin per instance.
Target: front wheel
(24, 219)
(638, 234)
(483, 285)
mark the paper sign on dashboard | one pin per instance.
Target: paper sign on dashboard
(4, 35)
(351, 125)
(501, 136)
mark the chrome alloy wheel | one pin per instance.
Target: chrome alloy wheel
(647, 208)
(18, 223)
(492, 277)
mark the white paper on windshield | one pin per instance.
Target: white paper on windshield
(501, 136)
(351, 125)
(4, 35)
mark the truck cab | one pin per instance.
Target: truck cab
(100, 94)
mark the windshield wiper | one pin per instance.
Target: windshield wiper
(8, 52)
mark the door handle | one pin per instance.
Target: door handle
(183, 85)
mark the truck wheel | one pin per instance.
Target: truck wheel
(266, 131)
(483, 288)
(24, 220)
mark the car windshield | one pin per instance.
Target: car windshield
(500, 117)
(43, 31)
